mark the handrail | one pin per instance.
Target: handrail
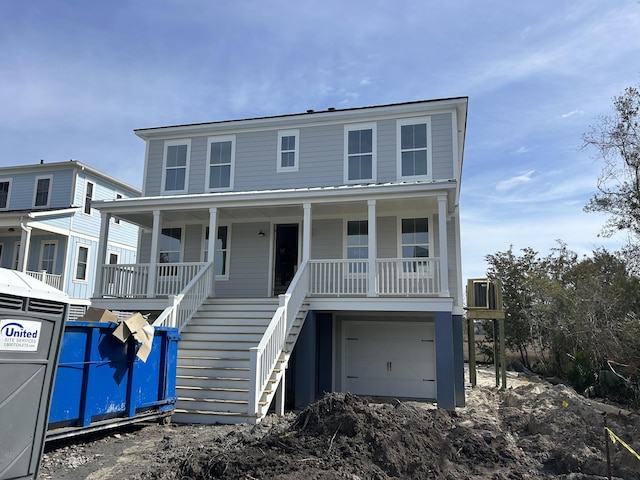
(189, 300)
(51, 279)
(265, 356)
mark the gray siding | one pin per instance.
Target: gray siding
(321, 157)
(249, 271)
(442, 146)
(193, 243)
(326, 239)
(387, 237)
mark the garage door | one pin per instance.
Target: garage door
(395, 359)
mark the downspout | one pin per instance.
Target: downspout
(25, 241)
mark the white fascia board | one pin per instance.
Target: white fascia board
(277, 197)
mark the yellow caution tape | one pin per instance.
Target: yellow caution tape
(615, 438)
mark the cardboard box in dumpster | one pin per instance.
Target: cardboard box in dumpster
(136, 325)
(99, 315)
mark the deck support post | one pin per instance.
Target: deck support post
(372, 247)
(211, 244)
(153, 261)
(280, 394)
(105, 221)
(442, 236)
(306, 232)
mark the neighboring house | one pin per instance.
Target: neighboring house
(49, 228)
(335, 261)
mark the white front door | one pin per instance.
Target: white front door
(393, 359)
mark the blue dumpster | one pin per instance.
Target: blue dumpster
(100, 383)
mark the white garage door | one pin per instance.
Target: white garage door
(394, 359)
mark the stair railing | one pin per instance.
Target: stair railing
(264, 357)
(189, 300)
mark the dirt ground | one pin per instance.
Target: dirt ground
(530, 430)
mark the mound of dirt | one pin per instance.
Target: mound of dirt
(533, 430)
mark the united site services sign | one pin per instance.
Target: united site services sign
(19, 335)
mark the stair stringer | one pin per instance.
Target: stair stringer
(281, 366)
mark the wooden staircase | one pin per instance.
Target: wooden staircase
(212, 381)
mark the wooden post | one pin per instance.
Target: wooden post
(503, 353)
(471, 338)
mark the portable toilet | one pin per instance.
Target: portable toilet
(32, 317)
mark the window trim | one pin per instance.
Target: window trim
(182, 240)
(430, 245)
(117, 255)
(414, 121)
(227, 262)
(296, 151)
(55, 255)
(35, 190)
(1, 251)
(374, 151)
(345, 255)
(232, 164)
(174, 143)
(16, 254)
(10, 182)
(77, 263)
(88, 200)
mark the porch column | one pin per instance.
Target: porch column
(25, 243)
(211, 244)
(105, 221)
(442, 236)
(306, 232)
(372, 247)
(153, 261)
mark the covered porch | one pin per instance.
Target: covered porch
(375, 262)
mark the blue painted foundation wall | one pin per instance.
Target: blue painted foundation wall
(100, 378)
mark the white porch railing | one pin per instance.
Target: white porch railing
(265, 356)
(189, 300)
(49, 278)
(408, 276)
(338, 277)
(394, 276)
(131, 280)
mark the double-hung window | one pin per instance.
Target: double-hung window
(222, 251)
(415, 244)
(48, 256)
(288, 151)
(42, 192)
(221, 154)
(414, 148)
(82, 263)
(5, 192)
(175, 173)
(88, 198)
(360, 153)
(170, 245)
(358, 245)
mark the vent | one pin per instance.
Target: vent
(11, 302)
(45, 306)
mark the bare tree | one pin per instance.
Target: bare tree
(616, 139)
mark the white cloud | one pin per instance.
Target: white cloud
(522, 150)
(572, 113)
(513, 182)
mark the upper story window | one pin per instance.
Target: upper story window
(414, 148)
(5, 192)
(288, 150)
(88, 198)
(221, 154)
(42, 192)
(176, 166)
(360, 153)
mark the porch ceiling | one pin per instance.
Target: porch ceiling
(413, 207)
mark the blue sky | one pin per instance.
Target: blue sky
(77, 77)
